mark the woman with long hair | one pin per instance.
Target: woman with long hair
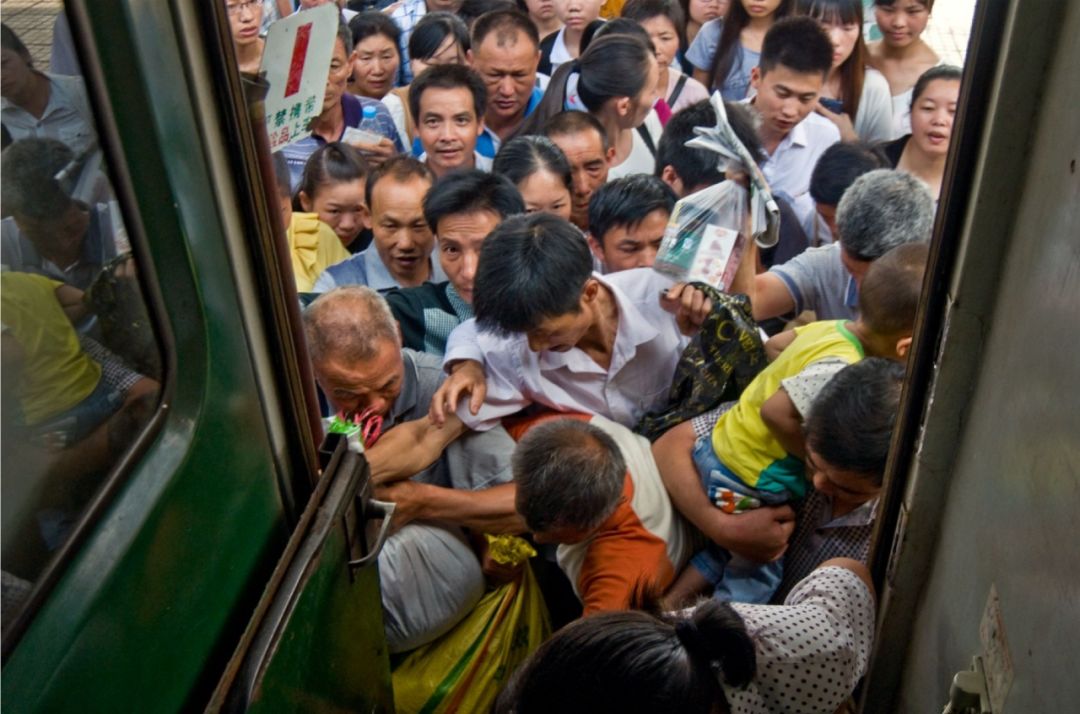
(615, 80)
(725, 50)
(855, 98)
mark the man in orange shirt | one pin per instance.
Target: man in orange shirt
(591, 486)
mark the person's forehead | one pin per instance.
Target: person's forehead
(393, 193)
(583, 143)
(446, 100)
(503, 44)
(375, 43)
(793, 80)
(474, 225)
(360, 375)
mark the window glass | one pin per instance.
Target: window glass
(81, 370)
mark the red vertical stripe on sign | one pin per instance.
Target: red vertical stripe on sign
(299, 54)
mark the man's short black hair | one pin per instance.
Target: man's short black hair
(507, 23)
(471, 191)
(531, 268)
(839, 166)
(448, 76)
(798, 43)
(626, 202)
(570, 122)
(851, 421)
(695, 167)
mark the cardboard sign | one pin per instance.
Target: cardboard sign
(296, 63)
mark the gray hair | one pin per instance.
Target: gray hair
(569, 474)
(350, 322)
(28, 170)
(881, 210)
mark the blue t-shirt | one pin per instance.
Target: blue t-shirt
(702, 54)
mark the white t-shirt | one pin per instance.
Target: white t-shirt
(874, 120)
(641, 160)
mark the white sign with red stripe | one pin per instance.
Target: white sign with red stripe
(296, 63)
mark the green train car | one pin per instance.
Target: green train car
(224, 560)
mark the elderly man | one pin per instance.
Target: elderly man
(592, 487)
(881, 210)
(505, 52)
(359, 364)
(400, 251)
(583, 139)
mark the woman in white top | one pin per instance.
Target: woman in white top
(854, 97)
(901, 54)
(615, 80)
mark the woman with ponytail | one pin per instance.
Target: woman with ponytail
(636, 661)
(714, 658)
(615, 80)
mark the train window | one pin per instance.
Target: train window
(81, 366)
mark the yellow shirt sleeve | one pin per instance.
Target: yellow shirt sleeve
(314, 247)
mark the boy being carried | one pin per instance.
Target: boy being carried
(754, 455)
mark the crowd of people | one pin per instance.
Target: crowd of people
(480, 279)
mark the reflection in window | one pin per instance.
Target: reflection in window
(80, 365)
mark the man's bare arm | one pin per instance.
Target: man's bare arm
(489, 510)
(409, 448)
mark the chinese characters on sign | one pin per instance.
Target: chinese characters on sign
(296, 62)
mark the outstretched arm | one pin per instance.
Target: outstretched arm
(490, 510)
(409, 448)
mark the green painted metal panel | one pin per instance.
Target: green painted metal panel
(150, 609)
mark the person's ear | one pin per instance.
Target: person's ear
(590, 291)
(755, 77)
(668, 176)
(903, 347)
(623, 106)
(305, 202)
(609, 155)
(595, 247)
(470, 58)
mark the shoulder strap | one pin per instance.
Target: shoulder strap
(647, 138)
(677, 91)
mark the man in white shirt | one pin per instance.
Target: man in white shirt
(795, 59)
(554, 333)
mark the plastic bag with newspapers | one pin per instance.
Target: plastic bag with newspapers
(707, 232)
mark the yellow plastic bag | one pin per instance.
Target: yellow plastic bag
(465, 669)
